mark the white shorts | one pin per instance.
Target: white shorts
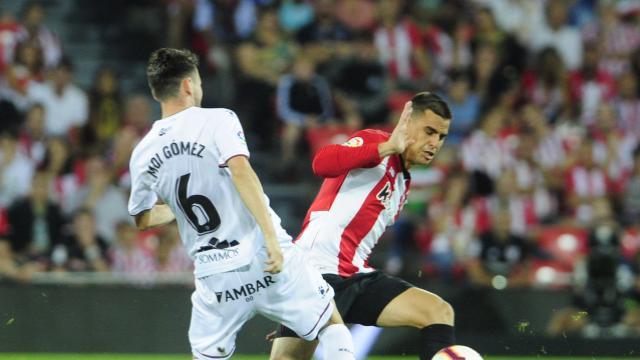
(298, 297)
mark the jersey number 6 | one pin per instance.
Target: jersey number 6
(198, 209)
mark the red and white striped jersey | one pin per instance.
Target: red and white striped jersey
(361, 195)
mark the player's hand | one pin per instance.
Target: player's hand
(275, 261)
(400, 138)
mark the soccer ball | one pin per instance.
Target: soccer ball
(457, 352)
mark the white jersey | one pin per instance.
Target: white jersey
(182, 160)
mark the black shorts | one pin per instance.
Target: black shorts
(361, 298)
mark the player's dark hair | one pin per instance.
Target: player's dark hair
(425, 100)
(166, 69)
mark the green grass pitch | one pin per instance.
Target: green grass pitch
(242, 357)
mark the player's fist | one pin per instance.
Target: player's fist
(275, 261)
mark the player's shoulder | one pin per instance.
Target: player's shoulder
(368, 135)
(218, 113)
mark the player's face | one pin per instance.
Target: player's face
(428, 130)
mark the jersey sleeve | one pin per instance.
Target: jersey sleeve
(360, 151)
(229, 138)
(142, 196)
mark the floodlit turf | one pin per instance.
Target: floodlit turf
(244, 357)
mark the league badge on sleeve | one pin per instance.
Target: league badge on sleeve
(354, 142)
(241, 137)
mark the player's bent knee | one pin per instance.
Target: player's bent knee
(438, 312)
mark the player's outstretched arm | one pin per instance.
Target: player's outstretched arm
(363, 150)
(158, 215)
(250, 189)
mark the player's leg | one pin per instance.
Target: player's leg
(216, 319)
(425, 311)
(302, 301)
(289, 346)
(335, 338)
(387, 301)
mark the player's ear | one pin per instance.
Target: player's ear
(187, 85)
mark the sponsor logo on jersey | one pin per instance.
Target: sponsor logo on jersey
(164, 131)
(384, 195)
(246, 291)
(216, 256)
(354, 142)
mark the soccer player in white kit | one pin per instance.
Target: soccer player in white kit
(193, 167)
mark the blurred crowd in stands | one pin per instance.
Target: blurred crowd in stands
(538, 183)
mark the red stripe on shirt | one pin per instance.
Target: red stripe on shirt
(359, 227)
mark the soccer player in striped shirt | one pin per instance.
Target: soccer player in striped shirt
(365, 187)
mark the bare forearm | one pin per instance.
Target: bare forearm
(158, 215)
(248, 186)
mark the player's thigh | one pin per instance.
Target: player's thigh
(292, 348)
(417, 308)
(367, 295)
(300, 299)
(215, 322)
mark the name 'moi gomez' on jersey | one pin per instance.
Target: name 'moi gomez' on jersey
(176, 148)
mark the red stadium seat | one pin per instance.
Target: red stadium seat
(326, 135)
(564, 244)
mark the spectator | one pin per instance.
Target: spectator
(617, 38)
(33, 140)
(36, 224)
(488, 34)
(170, 255)
(487, 150)
(127, 254)
(631, 192)
(586, 183)
(16, 170)
(325, 27)
(590, 85)
(358, 15)
(105, 109)
(99, 195)
(138, 114)
(295, 14)
(83, 249)
(261, 63)
(399, 44)
(545, 84)
(465, 107)
(9, 38)
(33, 28)
(303, 101)
(628, 104)
(60, 163)
(518, 17)
(501, 255)
(26, 68)
(556, 32)
(361, 78)
(456, 219)
(65, 104)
